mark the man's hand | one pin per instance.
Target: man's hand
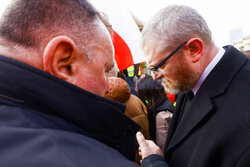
(147, 147)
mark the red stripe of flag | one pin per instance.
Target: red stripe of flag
(123, 54)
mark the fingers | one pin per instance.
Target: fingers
(147, 147)
(140, 154)
(141, 140)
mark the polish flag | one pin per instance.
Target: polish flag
(126, 32)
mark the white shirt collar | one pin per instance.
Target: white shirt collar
(208, 69)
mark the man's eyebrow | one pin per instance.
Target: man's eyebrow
(153, 64)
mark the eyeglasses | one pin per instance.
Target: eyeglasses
(155, 69)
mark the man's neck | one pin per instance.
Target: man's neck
(210, 52)
(216, 56)
(28, 56)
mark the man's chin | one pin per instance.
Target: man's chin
(170, 90)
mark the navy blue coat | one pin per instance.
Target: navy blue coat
(45, 121)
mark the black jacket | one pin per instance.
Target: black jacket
(215, 131)
(46, 121)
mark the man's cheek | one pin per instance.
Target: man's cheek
(92, 82)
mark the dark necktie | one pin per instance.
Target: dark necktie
(186, 105)
(190, 96)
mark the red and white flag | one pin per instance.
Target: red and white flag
(126, 32)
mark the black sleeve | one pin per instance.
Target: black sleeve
(154, 161)
(244, 160)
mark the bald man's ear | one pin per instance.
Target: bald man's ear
(59, 58)
(194, 48)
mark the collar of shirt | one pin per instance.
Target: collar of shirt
(208, 69)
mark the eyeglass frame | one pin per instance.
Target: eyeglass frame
(155, 69)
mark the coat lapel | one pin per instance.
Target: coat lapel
(215, 84)
(174, 121)
(200, 107)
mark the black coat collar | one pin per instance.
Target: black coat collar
(220, 77)
(26, 85)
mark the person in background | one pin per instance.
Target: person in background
(120, 91)
(121, 75)
(131, 78)
(210, 125)
(159, 109)
(54, 55)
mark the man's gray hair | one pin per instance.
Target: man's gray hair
(174, 25)
(32, 23)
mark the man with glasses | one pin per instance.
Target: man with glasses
(211, 123)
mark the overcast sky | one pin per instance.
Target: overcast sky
(222, 16)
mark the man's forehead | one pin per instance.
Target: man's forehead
(109, 57)
(105, 45)
(104, 40)
(152, 54)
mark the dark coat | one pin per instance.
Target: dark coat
(46, 121)
(215, 131)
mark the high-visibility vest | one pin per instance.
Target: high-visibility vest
(140, 71)
(131, 71)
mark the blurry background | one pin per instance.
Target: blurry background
(228, 20)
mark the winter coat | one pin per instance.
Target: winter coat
(46, 121)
